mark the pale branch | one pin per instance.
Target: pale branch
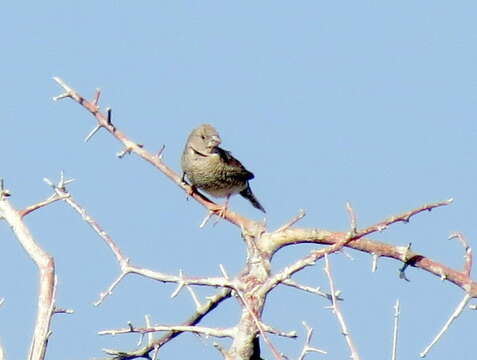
(62, 192)
(104, 121)
(211, 304)
(468, 257)
(353, 218)
(221, 333)
(374, 265)
(271, 330)
(272, 242)
(92, 132)
(377, 248)
(404, 217)
(47, 286)
(293, 221)
(397, 313)
(312, 290)
(339, 315)
(194, 296)
(259, 325)
(254, 283)
(308, 260)
(126, 267)
(307, 348)
(150, 336)
(109, 291)
(275, 241)
(40, 204)
(458, 310)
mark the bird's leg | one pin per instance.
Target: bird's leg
(192, 188)
(223, 209)
(219, 211)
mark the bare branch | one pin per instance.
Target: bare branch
(339, 315)
(46, 268)
(110, 289)
(293, 221)
(352, 218)
(92, 132)
(395, 330)
(313, 290)
(307, 348)
(40, 204)
(182, 328)
(374, 266)
(269, 329)
(405, 217)
(468, 252)
(104, 120)
(458, 310)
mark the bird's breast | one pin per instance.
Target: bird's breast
(212, 175)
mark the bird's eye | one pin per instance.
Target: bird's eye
(203, 137)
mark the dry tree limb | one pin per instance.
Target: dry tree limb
(104, 122)
(46, 267)
(339, 315)
(256, 280)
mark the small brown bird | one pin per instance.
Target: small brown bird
(213, 169)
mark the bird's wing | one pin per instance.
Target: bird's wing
(234, 167)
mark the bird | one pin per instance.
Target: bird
(214, 170)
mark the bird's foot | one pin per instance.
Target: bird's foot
(219, 211)
(191, 190)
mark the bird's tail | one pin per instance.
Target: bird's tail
(248, 194)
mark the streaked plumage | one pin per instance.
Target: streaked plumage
(213, 169)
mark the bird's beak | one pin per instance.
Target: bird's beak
(214, 141)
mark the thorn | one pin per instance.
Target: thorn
(61, 96)
(159, 154)
(96, 97)
(92, 132)
(122, 153)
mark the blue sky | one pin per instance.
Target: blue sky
(326, 102)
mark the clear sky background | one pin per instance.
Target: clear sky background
(372, 102)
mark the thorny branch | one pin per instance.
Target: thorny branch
(46, 267)
(256, 280)
(339, 315)
(104, 122)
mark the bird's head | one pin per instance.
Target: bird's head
(205, 138)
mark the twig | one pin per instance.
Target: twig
(259, 325)
(405, 217)
(92, 132)
(293, 221)
(395, 329)
(110, 289)
(313, 290)
(374, 265)
(40, 204)
(458, 310)
(307, 348)
(182, 328)
(339, 316)
(104, 120)
(352, 217)
(468, 252)
(46, 267)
